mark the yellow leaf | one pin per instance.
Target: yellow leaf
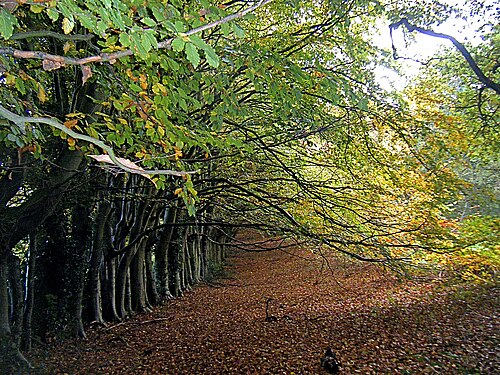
(10, 79)
(34, 8)
(178, 153)
(24, 76)
(158, 88)
(71, 142)
(70, 123)
(75, 114)
(41, 94)
(67, 46)
(67, 25)
(178, 191)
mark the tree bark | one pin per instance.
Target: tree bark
(99, 241)
(30, 293)
(108, 283)
(11, 359)
(174, 263)
(18, 221)
(137, 279)
(76, 265)
(162, 266)
(151, 291)
(17, 298)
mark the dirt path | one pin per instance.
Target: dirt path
(375, 324)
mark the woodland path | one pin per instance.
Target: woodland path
(375, 323)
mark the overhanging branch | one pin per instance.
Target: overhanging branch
(53, 62)
(465, 53)
(20, 122)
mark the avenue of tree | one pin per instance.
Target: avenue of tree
(138, 137)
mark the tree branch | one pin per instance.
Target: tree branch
(46, 33)
(53, 62)
(465, 53)
(20, 122)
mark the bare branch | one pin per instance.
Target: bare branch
(465, 53)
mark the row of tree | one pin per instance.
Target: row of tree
(137, 138)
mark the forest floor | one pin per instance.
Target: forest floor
(375, 323)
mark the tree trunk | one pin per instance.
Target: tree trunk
(204, 254)
(30, 293)
(76, 265)
(162, 266)
(151, 291)
(174, 264)
(137, 279)
(11, 359)
(99, 241)
(128, 294)
(130, 283)
(109, 290)
(17, 298)
(188, 259)
(17, 222)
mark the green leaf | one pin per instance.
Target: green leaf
(118, 20)
(88, 21)
(7, 23)
(363, 104)
(159, 13)
(183, 104)
(250, 17)
(192, 54)
(11, 137)
(54, 15)
(212, 58)
(174, 65)
(140, 46)
(198, 42)
(135, 87)
(179, 26)
(238, 31)
(20, 85)
(149, 22)
(148, 38)
(178, 44)
(101, 27)
(125, 40)
(35, 8)
(226, 29)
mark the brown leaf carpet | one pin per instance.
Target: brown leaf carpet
(375, 323)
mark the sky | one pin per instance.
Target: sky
(424, 46)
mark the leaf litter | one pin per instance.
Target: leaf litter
(375, 323)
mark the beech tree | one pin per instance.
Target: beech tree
(137, 138)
